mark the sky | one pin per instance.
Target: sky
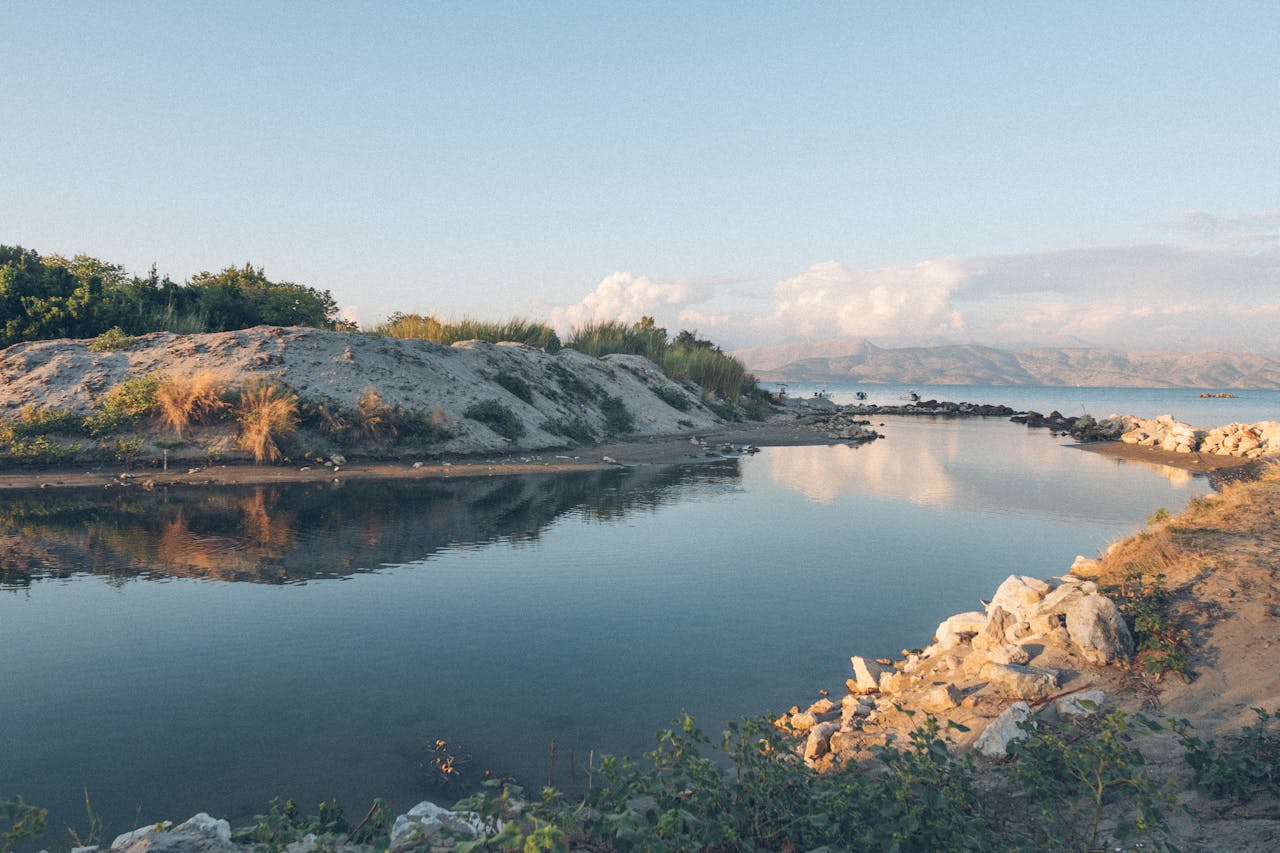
(1008, 174)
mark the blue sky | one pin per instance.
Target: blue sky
(1003, 173)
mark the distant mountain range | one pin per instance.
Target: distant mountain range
(858, 360)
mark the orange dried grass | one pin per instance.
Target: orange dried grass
(268, 414)
(183, 400)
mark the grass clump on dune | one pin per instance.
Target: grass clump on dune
(183, 400)
(686, 358)
(431, 328)
(268, 415)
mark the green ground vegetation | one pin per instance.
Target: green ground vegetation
(1082, 785)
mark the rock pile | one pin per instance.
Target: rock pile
(839, 423)
(1250, 441)
(1084, 428)
(1030, 648)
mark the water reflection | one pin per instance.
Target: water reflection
(284, 534)
(973, 464)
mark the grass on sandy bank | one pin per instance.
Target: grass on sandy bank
(431, 328)
(265, 416)
(686, 358)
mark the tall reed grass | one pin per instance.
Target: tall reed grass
(431, 328)
(685, 359)
(607, 337)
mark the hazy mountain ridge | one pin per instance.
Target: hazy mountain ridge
(971, 364)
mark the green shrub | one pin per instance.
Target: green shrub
(496, 417)
(682, 797)
(721, 409)
(1075, 775)
(572, 384)
(122, 450)
(617, 417)
(1163, 646)
(112, 339)
(32, 421)
(515, 384)
(1245, 766)
(576, 429)
(283, 825)
(39, 450)
(673, 397)
(124, 406)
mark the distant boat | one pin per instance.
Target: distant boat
(861, 395)
(912, 395)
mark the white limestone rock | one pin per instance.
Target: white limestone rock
(1018, 594)
(1080, 704)
(866, 674)
(1093, 622)
(819, 741)
(429, 822)
(1019, 680)
(1003, 730)
(939, 698)
(950, 629)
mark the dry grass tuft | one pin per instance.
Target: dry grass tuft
(1154, 552)
(377, 420)
(184, 400)
(268, 414)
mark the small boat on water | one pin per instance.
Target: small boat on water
(912, 396)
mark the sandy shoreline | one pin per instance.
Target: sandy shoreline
(653, 450)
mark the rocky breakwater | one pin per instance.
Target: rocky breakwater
(1249, 441)
(838, 423)
(933, 408)
(1048, 647)
(1083, 428)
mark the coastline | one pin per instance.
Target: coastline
(665, 449)
(671, 449)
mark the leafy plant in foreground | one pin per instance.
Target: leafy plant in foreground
(1074, 776)
(1244, 767)
(1163, 647)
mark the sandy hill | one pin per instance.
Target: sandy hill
(337, 367)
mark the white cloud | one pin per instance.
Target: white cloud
(1220, 293)
(831, 300)
(619, 296)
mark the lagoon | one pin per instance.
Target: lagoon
(199, 649)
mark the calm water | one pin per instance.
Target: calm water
(1247, 406)
(209, 649)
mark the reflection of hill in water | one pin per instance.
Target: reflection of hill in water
(283, 534)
